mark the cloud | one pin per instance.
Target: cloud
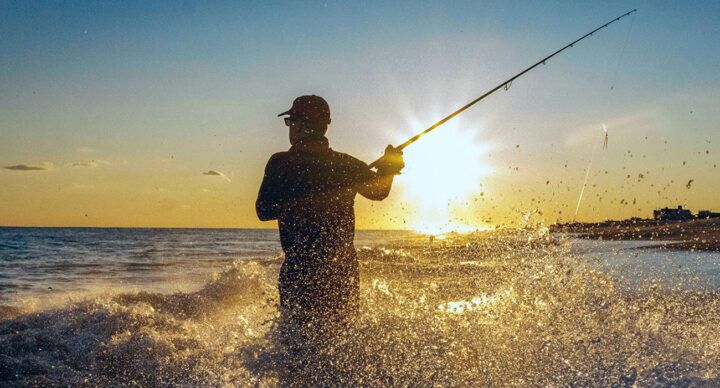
(90, 163)
(85, 150)
(217, 173)
(31, 167)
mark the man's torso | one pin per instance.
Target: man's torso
(317, 221)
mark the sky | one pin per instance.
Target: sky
(163, 114)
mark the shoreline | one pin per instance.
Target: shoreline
(692, 235)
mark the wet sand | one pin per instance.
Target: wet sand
(688, 235)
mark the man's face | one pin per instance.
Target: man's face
(298, 130)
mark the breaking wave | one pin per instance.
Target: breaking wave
(510, 308)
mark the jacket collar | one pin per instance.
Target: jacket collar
(311, 144)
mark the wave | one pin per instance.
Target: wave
(513, 308)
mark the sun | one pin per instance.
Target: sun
(442, 171)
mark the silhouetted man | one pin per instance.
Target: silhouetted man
(310, 190)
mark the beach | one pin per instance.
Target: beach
(697, 234)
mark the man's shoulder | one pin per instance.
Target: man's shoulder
(277, 159)
(348, 159)
(278, 156)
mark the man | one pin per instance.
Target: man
(310, 190)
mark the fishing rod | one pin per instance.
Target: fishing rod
(505, 84)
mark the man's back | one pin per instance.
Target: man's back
(311, 191)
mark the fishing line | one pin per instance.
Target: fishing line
(582, 190)
(506, 84)
(605, 140)
(587, 174)
(622, 53)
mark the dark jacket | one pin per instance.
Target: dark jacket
(311, 190)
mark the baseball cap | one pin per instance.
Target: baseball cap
(310, 108)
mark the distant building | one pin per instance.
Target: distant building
(668, 214)
(707, 214)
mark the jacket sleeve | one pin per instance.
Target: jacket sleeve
(269, 198)
(368, 183)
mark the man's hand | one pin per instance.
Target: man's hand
(392, 162)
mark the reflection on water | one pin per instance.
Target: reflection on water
(518, 308)
(640, 264)
(77, 259)
(480, 302)
(45, 262)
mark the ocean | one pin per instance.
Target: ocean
(99, 306)
(42, 263)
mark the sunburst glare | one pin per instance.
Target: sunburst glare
(443, 171)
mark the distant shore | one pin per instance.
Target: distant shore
(687, 235)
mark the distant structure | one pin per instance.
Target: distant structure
(707, 214)
(668, 214)
(659, 216)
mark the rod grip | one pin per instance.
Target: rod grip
(400, 147)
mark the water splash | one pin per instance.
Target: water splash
(510, 308)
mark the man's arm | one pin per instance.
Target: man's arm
(269, 199)
(376, 186)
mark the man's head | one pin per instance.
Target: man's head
(309, 116)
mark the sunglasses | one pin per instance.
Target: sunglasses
(290, 120)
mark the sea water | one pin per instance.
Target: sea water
(47, 263)
(503, 308)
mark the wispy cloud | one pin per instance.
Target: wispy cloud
(90, 163)
(217, 173)
(44, 166)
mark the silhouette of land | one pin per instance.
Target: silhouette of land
(691, 234)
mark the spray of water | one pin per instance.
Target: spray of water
(507, 308)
